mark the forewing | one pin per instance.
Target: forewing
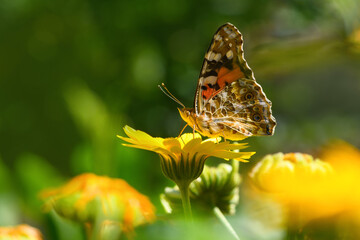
(223, 64)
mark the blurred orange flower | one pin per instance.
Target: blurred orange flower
(23, 231)
(88, 198)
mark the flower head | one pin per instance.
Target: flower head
(314, 189)
(23, 231)
(183, 157)
(317, 188)
(289, 172)
(88, 198)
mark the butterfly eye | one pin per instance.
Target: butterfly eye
(256, 117)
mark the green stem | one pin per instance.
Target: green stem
(88, 231)
(235, 167)
(99, 230)
(225, 222)
(295, 224)
(185, 198)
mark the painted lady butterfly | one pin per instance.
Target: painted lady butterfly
(228, 101)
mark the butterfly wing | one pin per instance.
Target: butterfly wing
(223, 64)
(227, 92)
(242, 107)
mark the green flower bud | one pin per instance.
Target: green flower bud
(216, 187)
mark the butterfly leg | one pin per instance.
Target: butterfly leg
(194, 131)
(182, 130)
(224, 136)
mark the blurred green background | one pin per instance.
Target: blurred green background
(73, 73)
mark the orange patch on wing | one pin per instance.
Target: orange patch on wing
(209, 92)
(223, 71)
(227, 76)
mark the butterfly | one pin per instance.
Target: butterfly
(229, 102)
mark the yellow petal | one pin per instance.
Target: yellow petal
(187, 137)
(172, 144)
(214, 140)
(142, 138)
(192, 145)
(240, 156)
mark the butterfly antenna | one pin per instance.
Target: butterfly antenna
(168, 93)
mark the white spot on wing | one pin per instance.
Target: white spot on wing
(210, 56)
(227, 30)
(229, 54)
(243, 90)
(217, 37)
(217, 57)
(210, 79)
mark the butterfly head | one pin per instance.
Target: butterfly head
(188, 115)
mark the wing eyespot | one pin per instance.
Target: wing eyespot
(249, 96)
(256, 117)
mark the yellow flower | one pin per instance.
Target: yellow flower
(24, 232)
(345, 159)
(313, 189)
(299, 181)
(287, 172)
(88, 198)
(184, 157)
